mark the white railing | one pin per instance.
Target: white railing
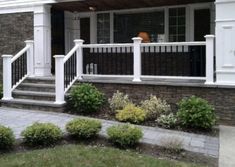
(136, 49)
(17, 68)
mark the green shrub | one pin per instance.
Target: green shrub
(42, 134)
(131, 114)
(85, 98)
(118, 101)
(154, 107)
(124, 135)
(7, 137)
(1, 91)
(83, 128)
(167, 121)
(195, 112)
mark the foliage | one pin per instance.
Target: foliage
(131, 114)
(83, 128)
(154, 107)
(196, 113)
(7, 137)
(172, 145)
(42, 134)
(118, 101)
(1, 91)
(85, 98)
(125, 135)
(167, 121)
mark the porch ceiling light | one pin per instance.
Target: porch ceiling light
(92, 8)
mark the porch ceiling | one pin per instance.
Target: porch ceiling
(102, 5)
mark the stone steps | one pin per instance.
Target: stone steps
(35, 94)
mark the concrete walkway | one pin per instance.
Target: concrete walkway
(227, 147)
(18, 120)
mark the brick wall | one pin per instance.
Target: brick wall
(223, 99)
(14, 30)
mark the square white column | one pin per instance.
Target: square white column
(42, 40)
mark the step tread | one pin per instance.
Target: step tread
(42, 78)
(38, 85)
(33, 93)
(33, 102)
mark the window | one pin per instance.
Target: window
(103, 28)
(127, 26)
(177, 24)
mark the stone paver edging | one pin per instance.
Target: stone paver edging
(18, 120)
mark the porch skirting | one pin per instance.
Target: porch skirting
(223, 99)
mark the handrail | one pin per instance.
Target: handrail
(175, 44)
(20, 53)
(115, 45)
(75, 48)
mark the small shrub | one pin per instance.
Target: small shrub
(41, 134)
(118, 101)
(83, 128)
(195, 112)
(172, 145)
(7, 137)
(85, 98)
(167, 121)
(124, 135)
(131, 114)
(154, 107)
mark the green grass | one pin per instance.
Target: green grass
(84, 156)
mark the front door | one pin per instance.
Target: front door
(85, 29)
(201, 24)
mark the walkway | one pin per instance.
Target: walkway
(18, 120)
(227, 146)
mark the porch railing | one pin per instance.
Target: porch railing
(180, 60)
(17, 68)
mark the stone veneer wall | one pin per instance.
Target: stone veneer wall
(223, 99)
(14, 30)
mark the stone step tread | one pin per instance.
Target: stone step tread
(38, 85)
(42, 78)
(33, 102)
(33, 93)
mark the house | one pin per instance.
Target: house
(173, 48)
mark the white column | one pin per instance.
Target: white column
(137, 59)
(225, 42)
(79, 53)
(209, 59)
(30, 57)
(42, 40)
(59, 79)
(7, 93)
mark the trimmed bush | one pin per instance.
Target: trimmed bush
(83, 128)
(118, 101)
(131, 114)
(85, 98)
(125, 135)
(7, 137)
(42, 134)
(154, 107)
(167, 121)
(195, 112)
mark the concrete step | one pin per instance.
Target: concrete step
(36, 87)
(33, 95)
(33, 105)
(40, 80)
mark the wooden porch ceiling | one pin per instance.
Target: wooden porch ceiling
(102, 5)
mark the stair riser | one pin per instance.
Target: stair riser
(39, 81)
(36, 89)
(33, 107)
(31, 97)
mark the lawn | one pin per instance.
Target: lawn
(84, 156)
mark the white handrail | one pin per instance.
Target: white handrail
(115, 45)
(75, 48)
(175, 44)
(20, 53)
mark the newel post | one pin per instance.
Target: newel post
(137, 59)
(209, 59)
(79, 53)
(30, 57)
(7, 82)
(59, 79)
